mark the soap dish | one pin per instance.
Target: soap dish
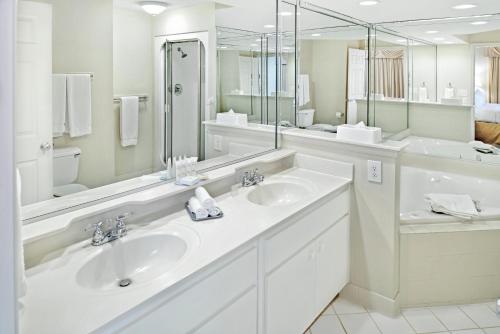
(193, 217)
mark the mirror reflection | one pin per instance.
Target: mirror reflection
(110, 96)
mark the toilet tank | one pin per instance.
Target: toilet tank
(66, 161)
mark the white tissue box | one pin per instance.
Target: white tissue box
(364, 134)
(232, 118)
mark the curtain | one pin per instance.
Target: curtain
(494, 75)
(389, 73)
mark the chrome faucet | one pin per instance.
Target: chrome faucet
(251, 178)
(102, 236)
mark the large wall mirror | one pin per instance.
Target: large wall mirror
(108, 95)
(331, 68)
(453, 89)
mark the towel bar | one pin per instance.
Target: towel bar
(142, 98)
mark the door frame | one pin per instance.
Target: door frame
(8, 260)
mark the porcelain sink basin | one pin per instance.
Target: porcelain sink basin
(278, 194)
(132, 261)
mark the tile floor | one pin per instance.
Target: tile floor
(345, 317)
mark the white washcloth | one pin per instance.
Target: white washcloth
(303, 90)
(59, 108)
(195, 206)
(461, 206)
(79, 91)
(204, 197)
(21, 283)
(129, 120)
(214, 211)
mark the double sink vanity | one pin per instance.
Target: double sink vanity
(274, 261)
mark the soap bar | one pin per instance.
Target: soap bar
(188, 180)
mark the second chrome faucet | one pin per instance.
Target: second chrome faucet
(103, 235)
(251, 178)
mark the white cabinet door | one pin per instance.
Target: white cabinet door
(290, 294)
(332, 261)
(239, 317)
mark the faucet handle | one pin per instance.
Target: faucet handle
(120, 219)
(95, 227)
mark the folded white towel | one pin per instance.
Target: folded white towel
(214, 211)
(59, 108)
(461, 206)
(129, 120)
(204, 197)
(195, 206)
(79, 92)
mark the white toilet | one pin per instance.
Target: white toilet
(66, 163)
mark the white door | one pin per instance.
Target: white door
(356, 82)
(33, 115)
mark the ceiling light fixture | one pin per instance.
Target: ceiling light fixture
(401, 41)
(464, 6)
(269, 26)
(369, 2)
(153, 7)
(478, 23)
(315, 35)
(286, 13)
(431, 32)
(439, 39)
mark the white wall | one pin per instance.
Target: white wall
(8, 307)
(454, 63)
(83, 42)
(423, 62)
(133, 75)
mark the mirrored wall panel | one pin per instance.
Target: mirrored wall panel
(332, 69)
(110, 96)
(453, 77)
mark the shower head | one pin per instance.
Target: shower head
(183, 54)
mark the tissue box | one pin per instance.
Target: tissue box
(364, 134)
(232, 118)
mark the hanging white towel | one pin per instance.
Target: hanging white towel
(59, 109)
(79, 119)
(21, 283)
(461, 206)
(303, 90)
(129, 120)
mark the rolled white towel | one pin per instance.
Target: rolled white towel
(214, 211)
(195, 206)
(204, 197)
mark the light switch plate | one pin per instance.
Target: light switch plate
(218, 143)
(375, 171)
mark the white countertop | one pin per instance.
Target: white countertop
(55, 303)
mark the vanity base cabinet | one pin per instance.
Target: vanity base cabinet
(298, 289)
(224, 300)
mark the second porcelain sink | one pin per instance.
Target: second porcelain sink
(135, 260)
(278, 194)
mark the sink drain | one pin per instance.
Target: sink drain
(125, 282)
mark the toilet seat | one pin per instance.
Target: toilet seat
(68, 189)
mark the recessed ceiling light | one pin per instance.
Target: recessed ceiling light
(478, 23)
(401, 41)
(448, 42)
(439, 39)
(269, 26)
(369, 2)
(431, 32)
(253, 44)
(464, 6)
(286, 13)
(222, 47)
(153, 7)
(315, 35)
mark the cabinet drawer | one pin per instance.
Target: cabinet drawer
(284, 243)
(203, 301)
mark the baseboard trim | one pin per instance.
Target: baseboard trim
(371, 300)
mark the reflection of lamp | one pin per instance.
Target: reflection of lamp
(153, 7)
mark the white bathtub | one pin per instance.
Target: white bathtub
(447, 149)
(416, 182)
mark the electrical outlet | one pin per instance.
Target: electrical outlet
(218, 143)
(375, 171)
